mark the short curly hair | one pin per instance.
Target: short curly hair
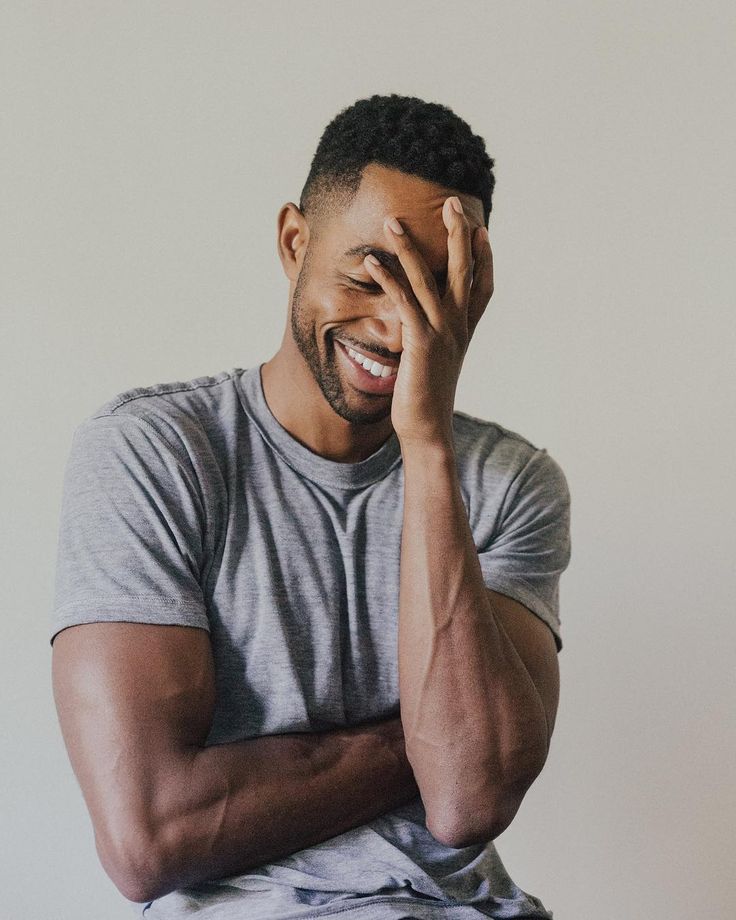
(424, 139)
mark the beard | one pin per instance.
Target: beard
(325, 369)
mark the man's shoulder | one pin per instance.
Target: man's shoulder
(491, 457)
(183, 413)
(174, 402)
(482, 439)
(172, 396)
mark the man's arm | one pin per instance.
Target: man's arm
(135, 705)
(477, 725)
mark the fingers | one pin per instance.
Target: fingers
(417, 271)
(469, 272)
(410, 312)
(482, 287)
(459, 254)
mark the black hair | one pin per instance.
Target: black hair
(424, 139)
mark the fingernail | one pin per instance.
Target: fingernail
(456, 203)
(395, 225)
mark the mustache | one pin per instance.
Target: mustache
(372, 349)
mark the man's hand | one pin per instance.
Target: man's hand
(436, 330)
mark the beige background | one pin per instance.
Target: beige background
(146, 149)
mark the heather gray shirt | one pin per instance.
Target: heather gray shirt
(188, 503)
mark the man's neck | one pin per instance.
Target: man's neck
(297, 403)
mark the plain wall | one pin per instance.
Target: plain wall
(146, 150)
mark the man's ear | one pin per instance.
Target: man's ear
(292, 239)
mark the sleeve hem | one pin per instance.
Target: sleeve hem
(158, 612)
(530, 600)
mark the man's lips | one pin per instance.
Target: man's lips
(362, 379)
(389, 362)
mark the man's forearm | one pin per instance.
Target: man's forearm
(476, 729)
(242, 804)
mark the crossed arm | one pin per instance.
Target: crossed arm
(478, 684)
(135, 704)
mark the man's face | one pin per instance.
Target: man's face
(336, 299)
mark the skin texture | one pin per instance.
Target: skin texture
(478, 672)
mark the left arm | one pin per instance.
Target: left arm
(477, 712)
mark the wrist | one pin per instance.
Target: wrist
(428, 450)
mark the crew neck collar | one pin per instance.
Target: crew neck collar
(320, 469)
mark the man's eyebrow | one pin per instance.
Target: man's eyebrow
(389, 259)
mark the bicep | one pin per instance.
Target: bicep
(134, 701)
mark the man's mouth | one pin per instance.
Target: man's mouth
(369, 362)
(366, 374)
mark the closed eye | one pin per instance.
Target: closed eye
(377, 289)
(367, 286)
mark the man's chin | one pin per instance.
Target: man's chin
(360, 408)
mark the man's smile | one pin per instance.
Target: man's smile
(370, 356)
(367, 374)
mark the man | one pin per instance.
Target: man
(306, 619)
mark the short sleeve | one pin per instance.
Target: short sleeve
(530, 547)
(131, 530)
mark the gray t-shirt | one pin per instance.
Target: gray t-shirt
(188, 503)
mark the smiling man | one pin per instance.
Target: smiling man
(306, 621)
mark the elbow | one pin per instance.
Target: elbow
(461, 831)
(469, 822)
(489, 805)
(133, 861)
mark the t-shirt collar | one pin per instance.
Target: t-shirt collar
(320, 469)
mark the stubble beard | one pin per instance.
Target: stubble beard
(326, 372)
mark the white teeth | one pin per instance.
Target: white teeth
(373, 367)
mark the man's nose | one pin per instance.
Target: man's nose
(385, 326)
